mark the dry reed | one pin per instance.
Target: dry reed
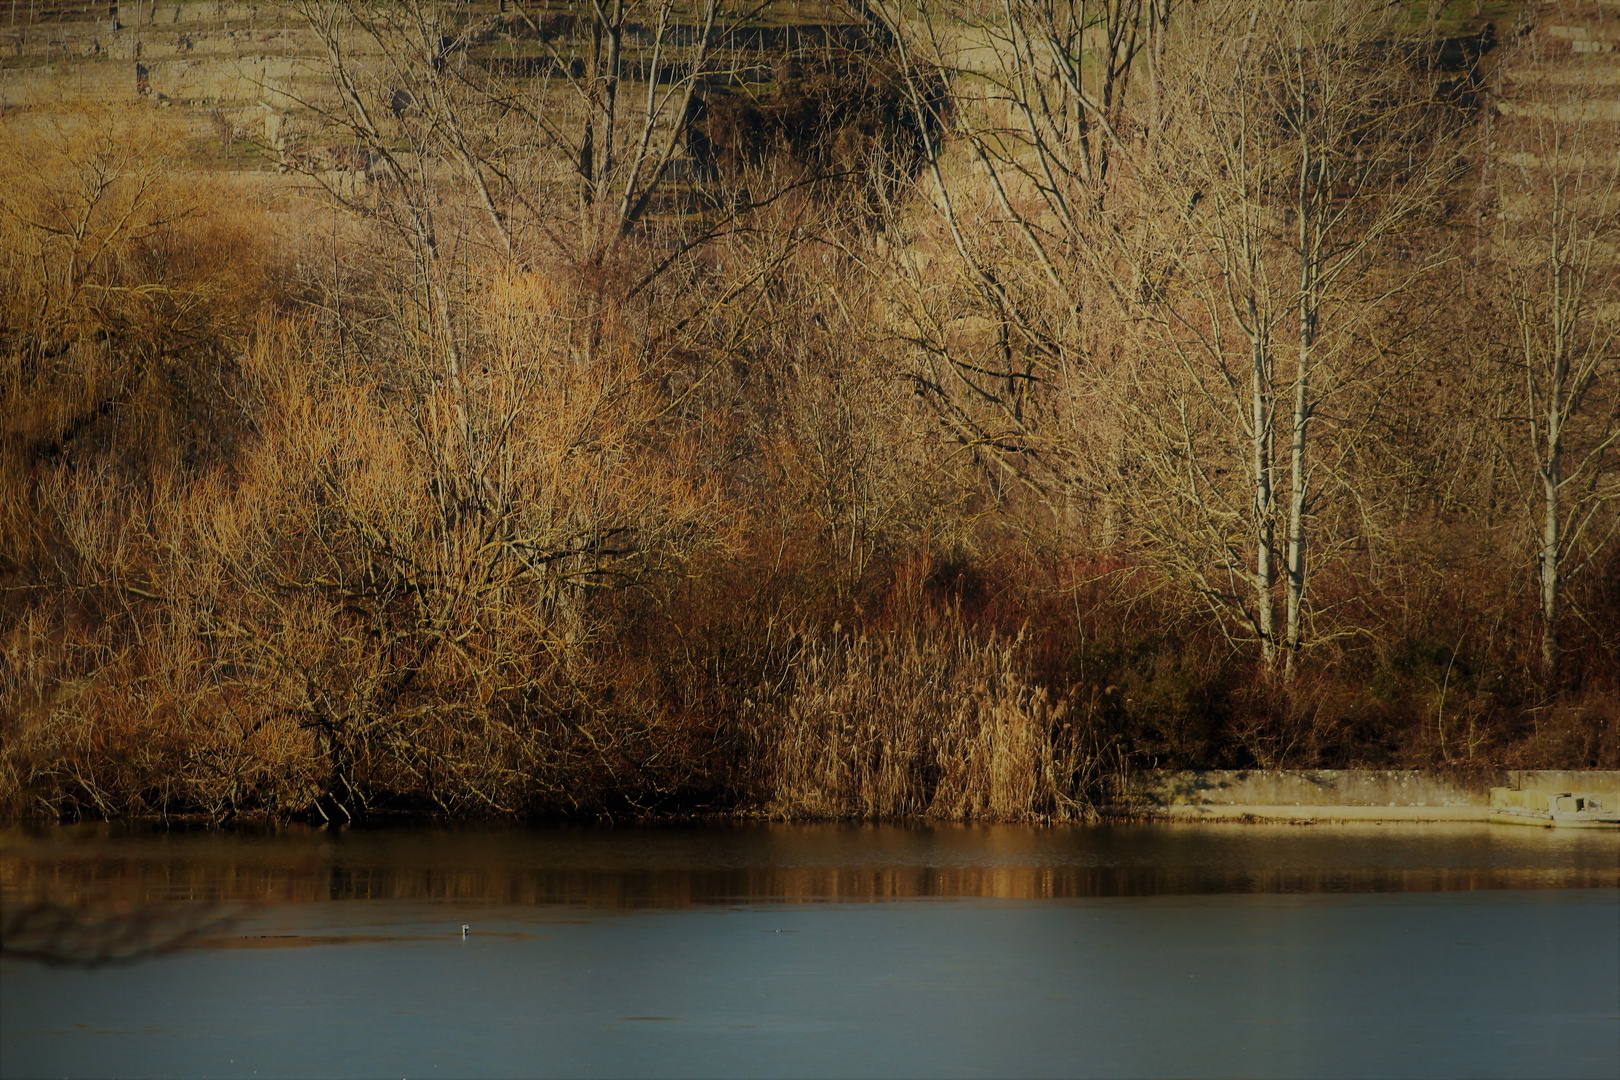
(928, 722)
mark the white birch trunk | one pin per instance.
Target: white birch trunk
(1294, 597)
(1294, 590)
(1265, 573)
(1549, 563)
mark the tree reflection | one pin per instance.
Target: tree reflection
(90, 935)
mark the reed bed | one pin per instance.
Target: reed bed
(928, 722)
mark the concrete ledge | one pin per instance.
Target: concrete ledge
(1233, 812)
(1565, 780)
(1306, 787)
(1347, 794)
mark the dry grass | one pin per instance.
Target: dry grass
(923, 722)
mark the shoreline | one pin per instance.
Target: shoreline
(1212, 796)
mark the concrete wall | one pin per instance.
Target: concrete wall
(1342, 794)
(1325, 787)
(1596, 781)
(1352, 787)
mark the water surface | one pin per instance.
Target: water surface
(1142, 950)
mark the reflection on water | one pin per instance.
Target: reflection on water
(92, 933)
(674, 867)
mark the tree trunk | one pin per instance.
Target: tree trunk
(1265, 574)
(1549, 560)
(1305, 209)
(1295, 598)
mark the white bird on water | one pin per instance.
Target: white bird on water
(465, 930)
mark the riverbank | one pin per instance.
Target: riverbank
(1215, 796)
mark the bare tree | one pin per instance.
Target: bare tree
(1558, 225)
(419, 84)
(1194, 214)
(1021, 107)
(1307, 150)
(502, 452)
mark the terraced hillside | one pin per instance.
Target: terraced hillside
(1558, 105)
(249, 68)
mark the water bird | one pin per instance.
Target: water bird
(465, 930)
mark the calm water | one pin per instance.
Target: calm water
(1143, 950)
